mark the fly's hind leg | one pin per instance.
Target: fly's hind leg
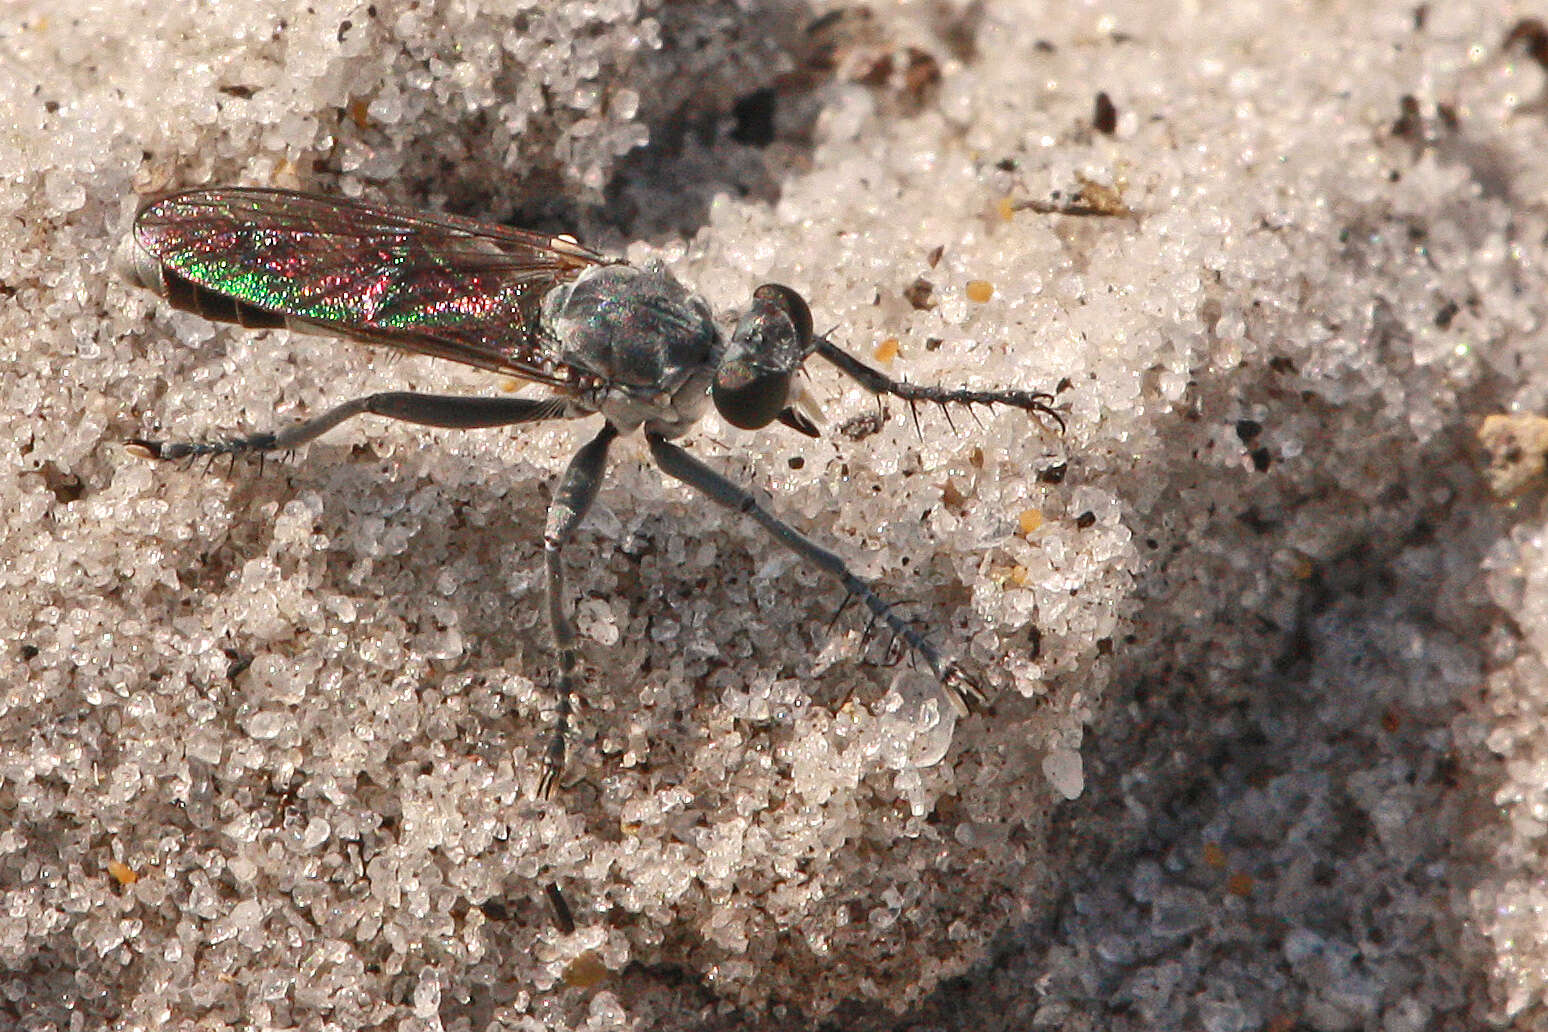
(577, 490)
(448, 411)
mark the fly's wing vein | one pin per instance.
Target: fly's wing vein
(428, 283)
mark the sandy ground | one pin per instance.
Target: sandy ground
(1265, 653)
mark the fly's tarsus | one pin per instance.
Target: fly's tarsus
(1038, 403)
(172, 451)
(1035, 402)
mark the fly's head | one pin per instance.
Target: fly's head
(754, 382)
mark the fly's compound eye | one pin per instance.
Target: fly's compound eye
(748, 397)
(793, 306)
(752, 385)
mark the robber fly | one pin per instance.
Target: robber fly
(628, 343)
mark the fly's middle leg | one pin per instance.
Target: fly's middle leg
(577, 490)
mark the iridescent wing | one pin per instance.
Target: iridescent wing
(426, 283)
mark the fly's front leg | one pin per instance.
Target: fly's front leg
(678, 464)
(1038, 403)
(577, 490)
(440, 410)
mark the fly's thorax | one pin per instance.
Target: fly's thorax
(633, 327)
(668, 413)
(650, 343)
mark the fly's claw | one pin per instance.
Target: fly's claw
(552, 771)
(964, 692)
(146, 449)
(1039, 403)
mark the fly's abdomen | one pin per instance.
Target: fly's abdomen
(184, 294)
